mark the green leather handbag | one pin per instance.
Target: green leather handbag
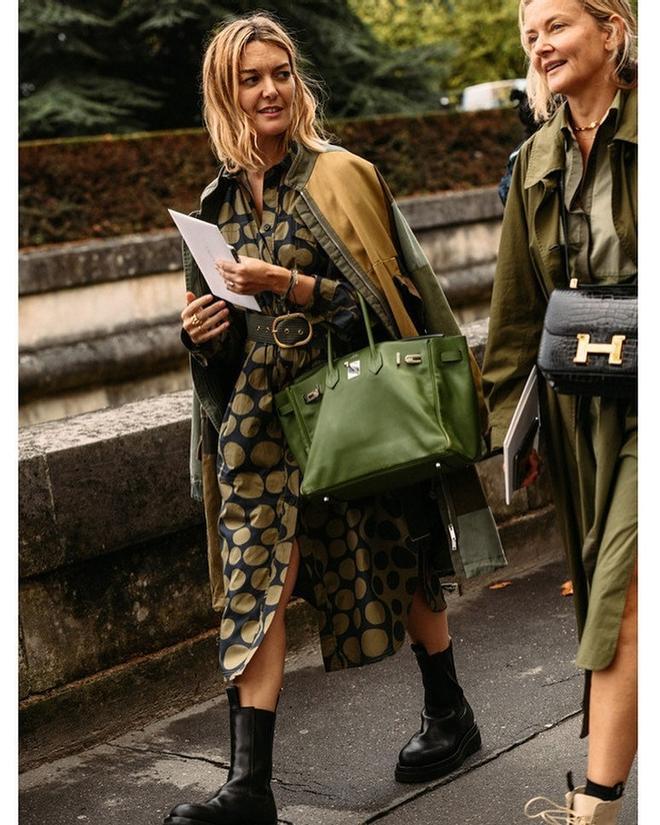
(387, 416)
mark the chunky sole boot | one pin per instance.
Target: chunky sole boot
(246, 797)
(448, 733)
(470, 744)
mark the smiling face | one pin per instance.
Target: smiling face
(266, 89)
(567, 47)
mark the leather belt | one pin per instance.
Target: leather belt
(286, 331)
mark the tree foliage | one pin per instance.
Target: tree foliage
(485, 34)
(90, 66)
(72, 70)
(480, 36)
(404, 24)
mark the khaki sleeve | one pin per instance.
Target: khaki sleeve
(516, 314)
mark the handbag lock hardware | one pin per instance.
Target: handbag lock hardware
(312, 395)
(292, 316)
(411, 360)
(613, 349)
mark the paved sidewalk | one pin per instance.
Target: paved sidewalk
(338, 735)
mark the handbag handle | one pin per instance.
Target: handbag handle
(375, 359)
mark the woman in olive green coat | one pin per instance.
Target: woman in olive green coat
(581, 81)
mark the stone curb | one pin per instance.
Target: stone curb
(104, 359)
(94, 262)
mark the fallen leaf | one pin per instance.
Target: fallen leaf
(498, 585)
(567, 588)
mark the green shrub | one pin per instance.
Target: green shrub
(74, 189)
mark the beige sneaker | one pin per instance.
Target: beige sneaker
(580, 809)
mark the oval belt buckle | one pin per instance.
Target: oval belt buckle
(292, 316)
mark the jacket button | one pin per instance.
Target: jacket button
(267, 227)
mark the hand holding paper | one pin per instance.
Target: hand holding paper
(207, 245)
(521, 437)
(249, 276)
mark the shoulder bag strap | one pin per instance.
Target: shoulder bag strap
(561, 189)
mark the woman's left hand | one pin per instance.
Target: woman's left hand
(251, 275)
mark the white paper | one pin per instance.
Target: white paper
(523, 419)
(207, 246)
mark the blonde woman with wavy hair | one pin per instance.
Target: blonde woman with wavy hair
(233, 133)
(582, 83)
(313, 226)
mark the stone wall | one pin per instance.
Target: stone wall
(99, 320)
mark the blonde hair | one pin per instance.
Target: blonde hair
(542, 101)
(232, 134)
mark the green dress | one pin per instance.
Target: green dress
(358, 568)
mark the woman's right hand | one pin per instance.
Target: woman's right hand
(204, 318)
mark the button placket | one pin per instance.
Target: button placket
(267, 227)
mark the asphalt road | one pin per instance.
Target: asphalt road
(338, 735)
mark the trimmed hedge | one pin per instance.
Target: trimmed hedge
(75, 189)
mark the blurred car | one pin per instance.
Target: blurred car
(491, 95)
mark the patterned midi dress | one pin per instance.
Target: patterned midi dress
(358, 567)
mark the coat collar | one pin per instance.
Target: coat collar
(547, 149)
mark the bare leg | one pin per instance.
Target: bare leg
(261, 682)
(426, 627)
(613, 704)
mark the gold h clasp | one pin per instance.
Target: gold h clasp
(614, 349)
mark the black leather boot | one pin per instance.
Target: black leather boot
(246, 797)
(449, 733)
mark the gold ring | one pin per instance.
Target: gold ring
(230, 284)
(195, 320)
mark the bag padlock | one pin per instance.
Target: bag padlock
(312, 395)
(414, 358)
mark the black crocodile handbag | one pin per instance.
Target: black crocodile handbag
(589, 339)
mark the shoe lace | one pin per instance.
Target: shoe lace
(554, 815)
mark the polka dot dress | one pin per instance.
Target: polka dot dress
(356, 565)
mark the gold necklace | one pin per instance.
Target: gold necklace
(593, 125)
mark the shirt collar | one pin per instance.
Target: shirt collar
(547, 149)
(286, 167)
